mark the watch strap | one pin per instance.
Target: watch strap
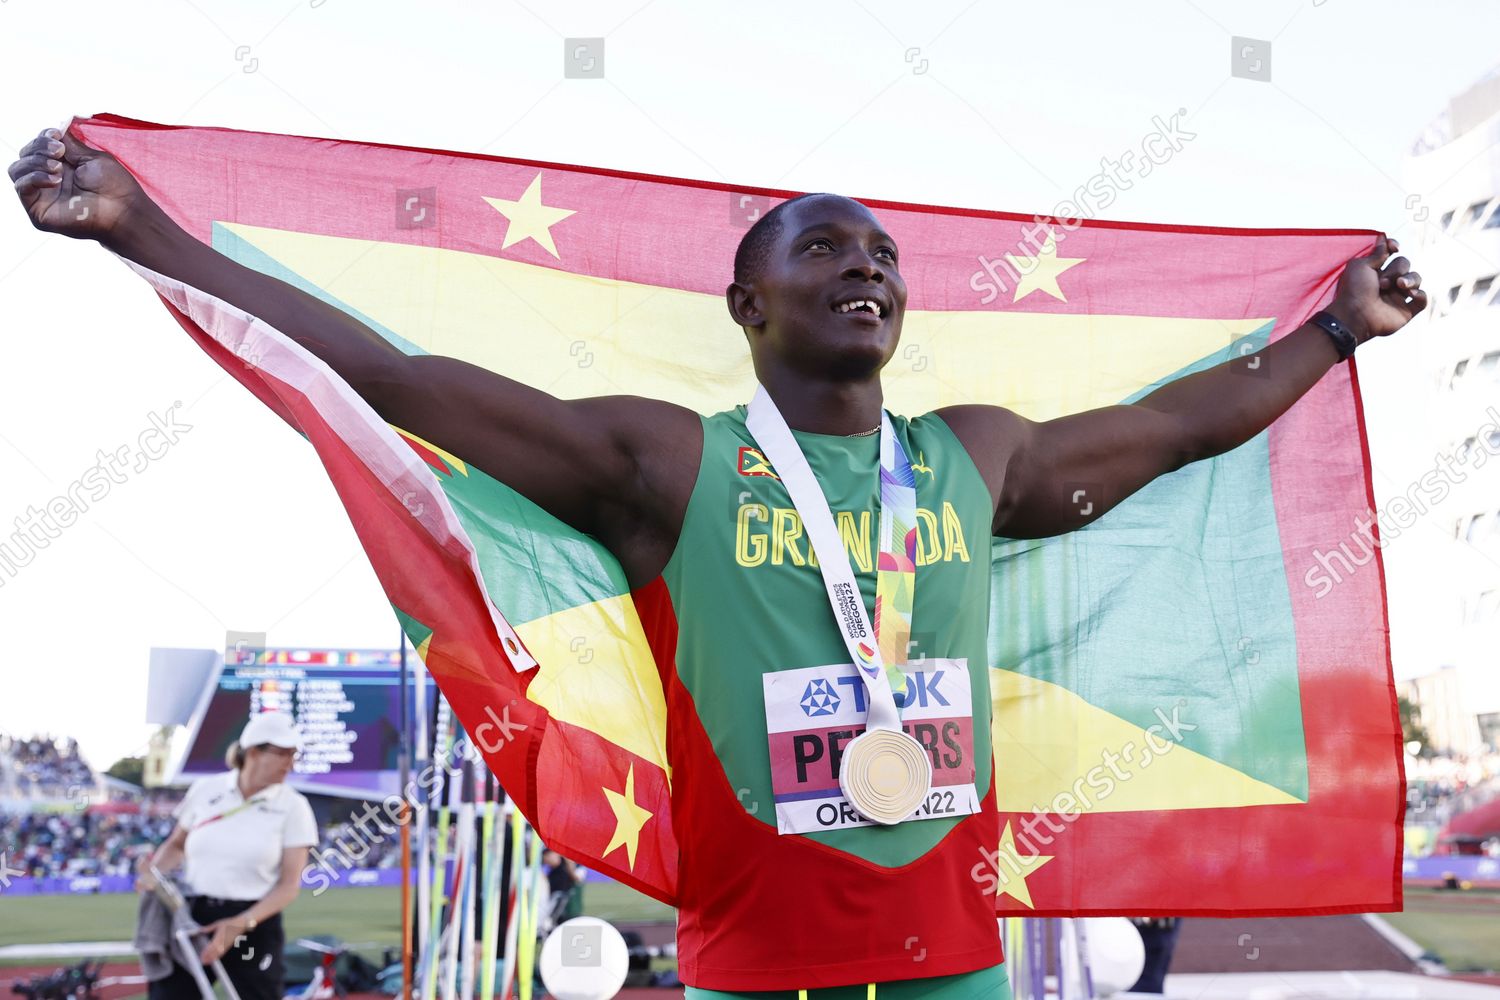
(1343, 337)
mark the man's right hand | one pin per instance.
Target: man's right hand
(69, 188)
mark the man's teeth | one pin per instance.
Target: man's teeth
(869, 305)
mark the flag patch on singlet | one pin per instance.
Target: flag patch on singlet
(753, 463)
(813, 713)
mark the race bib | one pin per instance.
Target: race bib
(813, 713)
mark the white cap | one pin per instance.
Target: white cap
(275, 728)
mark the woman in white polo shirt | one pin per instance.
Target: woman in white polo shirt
(242, 838)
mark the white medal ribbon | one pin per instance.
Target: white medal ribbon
(769, 428)
(884, 772)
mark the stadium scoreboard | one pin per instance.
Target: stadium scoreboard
(346, 703)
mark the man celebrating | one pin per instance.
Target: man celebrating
(826, 604)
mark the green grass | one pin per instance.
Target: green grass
(367, 918)
(1461, 929)
(621, 904)
(55, 919)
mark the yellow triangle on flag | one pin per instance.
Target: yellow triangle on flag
(596, 671)
(1050, 743)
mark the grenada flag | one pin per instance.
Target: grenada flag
(1193, 705)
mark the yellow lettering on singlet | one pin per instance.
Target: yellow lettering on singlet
(786, 528)
(928, 549)
(750, 550)
(953, 535)
(857, 544)
(780, 537)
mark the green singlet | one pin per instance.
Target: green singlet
(984, 984)
(824, 897)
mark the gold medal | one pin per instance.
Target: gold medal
(885, 774)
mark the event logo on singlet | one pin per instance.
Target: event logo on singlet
(813, 713)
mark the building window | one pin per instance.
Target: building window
(1488, 363)
(1493, 222)
(1471, 534)
(1458, 372)
(1447, 218)
(1482, 286)
(1476, 210)
(1453, 293)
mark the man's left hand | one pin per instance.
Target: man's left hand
(1375, 299)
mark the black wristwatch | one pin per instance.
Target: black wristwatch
(1343, 338)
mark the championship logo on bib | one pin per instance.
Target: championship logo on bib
(813, 714)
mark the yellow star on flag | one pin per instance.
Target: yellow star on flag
(1041, 271)
(529, 218)
(629, 818)
(1014, 868)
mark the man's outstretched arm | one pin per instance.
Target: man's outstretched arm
(602, 464)
(1053, 476)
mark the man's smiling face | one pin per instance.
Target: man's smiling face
(830, 298)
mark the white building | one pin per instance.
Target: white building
(1453, 175)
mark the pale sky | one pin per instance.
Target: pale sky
(237, 527)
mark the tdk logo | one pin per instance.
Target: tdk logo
(820, 699)
(923, 689)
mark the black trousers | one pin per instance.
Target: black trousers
(1160, 942)
(254, 964)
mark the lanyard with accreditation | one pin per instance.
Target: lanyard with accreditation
(885, 773)
(253, 801)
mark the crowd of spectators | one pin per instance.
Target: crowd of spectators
(52, 823)
(84, 843)
(45, 767)
(63, 845)
(1439, 788)
(369, 847)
